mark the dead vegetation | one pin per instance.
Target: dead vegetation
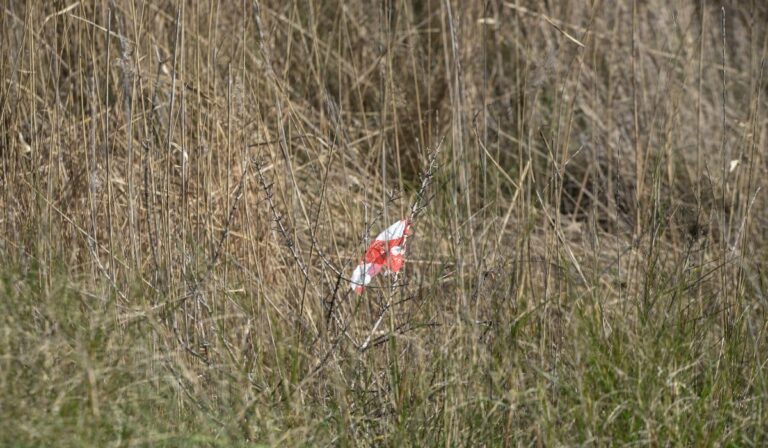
(187, 185)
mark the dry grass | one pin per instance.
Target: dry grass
(185, 186)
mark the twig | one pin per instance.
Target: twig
(278, 219)
(419, 204)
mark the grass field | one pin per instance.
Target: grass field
(188, 185)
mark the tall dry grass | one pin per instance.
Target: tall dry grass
(186, 187)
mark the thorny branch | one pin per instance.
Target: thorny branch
(419, 204)
(279, 220)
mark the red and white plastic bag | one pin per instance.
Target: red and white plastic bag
(385, 253)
